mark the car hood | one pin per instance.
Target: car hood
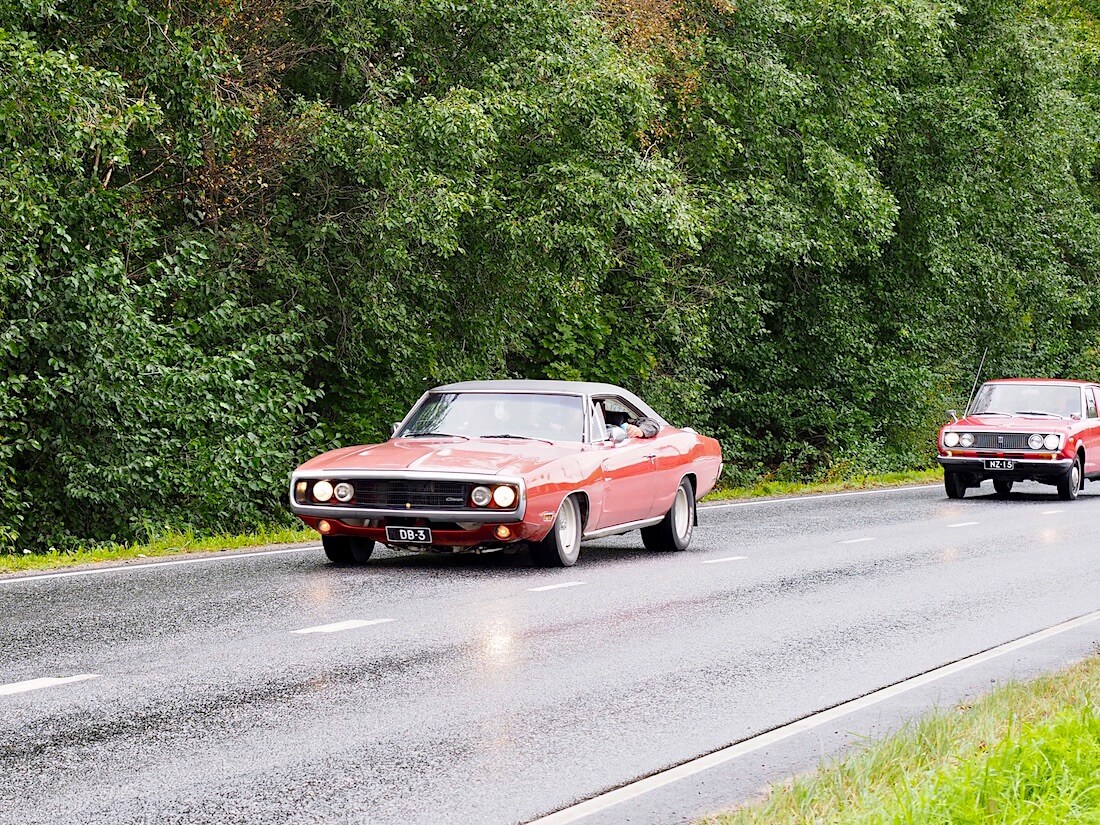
(1015, 423)
(483, 456)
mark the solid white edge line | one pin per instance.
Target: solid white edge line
(727, 558)
(554, 586)
(816, 497)
(336, 627)
(44, 682)
(124, 568)
(657, 780)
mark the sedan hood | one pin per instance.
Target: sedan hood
(483, 456)
(1015, 423)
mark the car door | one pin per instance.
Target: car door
(628, 471)
(1091, 432)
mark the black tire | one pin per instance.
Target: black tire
(954, 484)
(562, 545)
(674, 530)
(347, 549)
(1070, 484)
(1003, 486)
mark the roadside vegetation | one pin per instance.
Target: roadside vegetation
(1026, 753)
(234, 233)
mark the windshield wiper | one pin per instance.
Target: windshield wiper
(1038, 412)
(512, 435)
(990, 412)
(435, 435)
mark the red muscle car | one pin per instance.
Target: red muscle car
(1024, 428)
(484, 465)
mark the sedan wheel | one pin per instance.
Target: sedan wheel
(1070, 485)
(562, 544)
(347, 549)
(674, 530)
(953, 483)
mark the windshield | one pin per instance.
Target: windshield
(1038, 399)
(498, 414)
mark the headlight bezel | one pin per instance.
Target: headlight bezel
(1035, 441)
(966, 440)
(951, 438)
(1057, 443)
(322, 490)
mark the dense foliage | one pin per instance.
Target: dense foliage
(233, 232)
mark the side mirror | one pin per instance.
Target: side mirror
(954, 414)
(396, 424)
(616, 434)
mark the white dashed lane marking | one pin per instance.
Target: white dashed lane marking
(965, 524)
(1050, 512)
(45, 682)
(350, 624)
(727, 558)
(554, 586)
(858, 541)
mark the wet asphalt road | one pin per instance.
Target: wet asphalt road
(477, 699)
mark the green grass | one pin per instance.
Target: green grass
(863, 482)
(166, 545)
(1026, 753)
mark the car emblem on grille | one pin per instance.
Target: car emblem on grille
(1000, 441)
(408, 505)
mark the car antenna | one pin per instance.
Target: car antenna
(966, 409)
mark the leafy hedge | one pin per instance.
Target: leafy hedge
(235, 232)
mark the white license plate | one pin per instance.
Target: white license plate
(409, 535)
(999, 464)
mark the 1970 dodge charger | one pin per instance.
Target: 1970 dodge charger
(484, 465)
(1017, 429)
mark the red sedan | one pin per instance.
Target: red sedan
(486, 465)
(1024, 429)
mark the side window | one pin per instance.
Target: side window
(616, 411)
(599, 426)
(1090, 403)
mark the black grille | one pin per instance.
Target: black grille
(395, 494)
(1001, 441)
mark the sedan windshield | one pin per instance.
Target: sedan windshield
(498, 415)
(1027, 399)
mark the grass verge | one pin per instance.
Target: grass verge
(864, 482)
(1026, 753)
(166, 545)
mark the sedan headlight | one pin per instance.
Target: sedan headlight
(481, 496)
(1035, 441)
(344, 492)
(1052, 441)
(966, 439)
(950, 438)
(504, 496)
(322, 490)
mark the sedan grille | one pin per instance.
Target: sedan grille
(398, 494)
(1001, 441)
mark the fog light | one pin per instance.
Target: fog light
(324, 527)
(503, 531)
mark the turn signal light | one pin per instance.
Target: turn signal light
(323, 526)
(503, 531)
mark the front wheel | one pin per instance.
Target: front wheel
(674, 530)
(1070, 484)
(347, 549)
(954, 484)
(562, 544)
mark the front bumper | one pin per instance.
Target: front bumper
(1023, 469)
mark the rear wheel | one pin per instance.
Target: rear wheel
(674, 530)
(347, 549)
(1003, 486)
(1070, 484)
(562, 544)
(954, 484)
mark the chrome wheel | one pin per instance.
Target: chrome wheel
(681, 517)
(562, 544)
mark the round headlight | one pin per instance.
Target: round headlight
(504, 496)
(950, 438)
(966, 439)
(322, 491)
(344, 492)
(1035, 441)
(481, 496)
(1052, 441)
